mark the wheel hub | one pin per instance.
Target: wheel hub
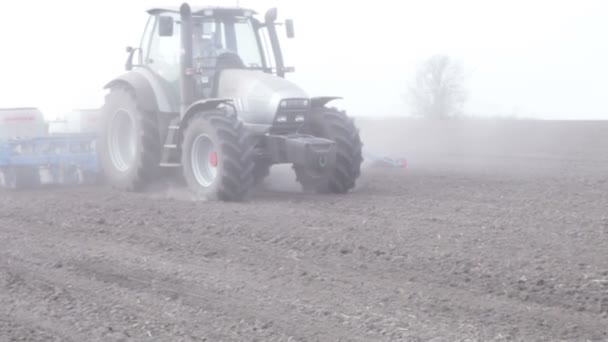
(122, 141)
(213, 159)
(204, 160)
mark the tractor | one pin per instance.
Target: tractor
(207, 100)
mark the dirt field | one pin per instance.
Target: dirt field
(496, 231)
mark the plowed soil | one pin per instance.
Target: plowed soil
(494, 232)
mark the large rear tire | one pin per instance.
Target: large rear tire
(128, 143)
(218, 157)
(340, 178)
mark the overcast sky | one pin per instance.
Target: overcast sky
(542, 59)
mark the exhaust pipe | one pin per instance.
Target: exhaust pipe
(187, 59)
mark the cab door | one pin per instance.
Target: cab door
(162, 58)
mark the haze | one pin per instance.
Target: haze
(541, 59)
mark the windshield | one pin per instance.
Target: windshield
(213, 37)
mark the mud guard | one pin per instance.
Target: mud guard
(148, 91)
(203, 105)
(321, 101)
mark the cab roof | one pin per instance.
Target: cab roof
(202, 11)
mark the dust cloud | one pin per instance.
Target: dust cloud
(487, 145)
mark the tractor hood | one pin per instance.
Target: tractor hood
(257, 94)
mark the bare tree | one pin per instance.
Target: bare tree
(438, 90)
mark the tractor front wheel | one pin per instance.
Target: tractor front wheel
(217, 157)
(339, 178)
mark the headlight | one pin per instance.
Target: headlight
(294, 104)
(281, 118)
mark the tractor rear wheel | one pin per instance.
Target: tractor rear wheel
(129, 142)
(339, 178)
(218, 157)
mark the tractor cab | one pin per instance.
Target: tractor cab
(214, 39)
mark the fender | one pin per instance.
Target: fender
(148, 91)
(202, 105)
(320, 101)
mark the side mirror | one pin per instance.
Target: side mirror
(165, 26)
(131, 51)
(289, 28)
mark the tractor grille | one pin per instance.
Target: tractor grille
(290, 116)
